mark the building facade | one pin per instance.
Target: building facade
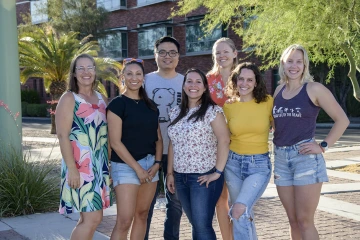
(133, 27)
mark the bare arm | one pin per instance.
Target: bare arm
(109, 145)
(272, 124)
(323, 98)
(115, 126)
(64, 120)
(158, 154)
(223, 138)
(170, 183)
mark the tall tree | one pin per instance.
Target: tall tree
(329, 29)
(45, 54)
(82, 16)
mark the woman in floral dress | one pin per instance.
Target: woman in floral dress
(225, 59)
(82, 131)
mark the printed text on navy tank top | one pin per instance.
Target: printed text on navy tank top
(286, 112)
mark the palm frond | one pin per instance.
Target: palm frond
(100, 88)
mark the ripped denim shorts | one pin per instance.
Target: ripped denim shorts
(292, 168)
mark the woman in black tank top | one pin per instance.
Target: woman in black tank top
(300, 168)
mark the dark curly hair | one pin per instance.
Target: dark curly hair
(260, 92)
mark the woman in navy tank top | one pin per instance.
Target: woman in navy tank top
(300, 168)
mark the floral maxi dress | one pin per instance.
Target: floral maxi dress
(88, 139)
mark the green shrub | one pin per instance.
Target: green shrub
(30, 96)
(323, 117)
(26, 187)
(24, 108)
(37, 110)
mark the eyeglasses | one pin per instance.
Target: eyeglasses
(129, 60)
(163, 53)
(82, 69)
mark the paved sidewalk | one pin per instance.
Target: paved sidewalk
(337, 216)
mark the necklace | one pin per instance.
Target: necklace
(135, 100)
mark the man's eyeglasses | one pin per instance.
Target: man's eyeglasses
(129, 60)
(163, 53)
(82, 69)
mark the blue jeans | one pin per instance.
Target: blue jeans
(199, 202)
(173, 209)
(246, 177)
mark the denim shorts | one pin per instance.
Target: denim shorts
(122, 173)
(293, 168)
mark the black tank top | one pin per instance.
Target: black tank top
(295, 118)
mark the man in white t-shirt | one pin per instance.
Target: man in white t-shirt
(164, 87)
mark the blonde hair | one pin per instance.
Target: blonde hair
(216, 68)
(306, 77)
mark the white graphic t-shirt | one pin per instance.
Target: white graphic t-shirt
(166, 93)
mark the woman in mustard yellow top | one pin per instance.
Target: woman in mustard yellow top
(248, 168)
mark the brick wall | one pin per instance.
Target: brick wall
(22, 8)
(133, 15)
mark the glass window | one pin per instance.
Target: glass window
(71, 7)
(113, 45)
(198, 41)
(111, 4)
(38, 14)
(147, 38)
(147, 2)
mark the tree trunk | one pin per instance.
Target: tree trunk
(57, 88)
(343, 85)
(53, 126)
(352, 71)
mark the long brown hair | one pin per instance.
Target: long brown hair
(73, 82)
(260, 93)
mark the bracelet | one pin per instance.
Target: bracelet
(157, 162)
(169, 174)
(218, 171)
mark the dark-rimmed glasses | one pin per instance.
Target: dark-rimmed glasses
(163, 53)
(129, 60)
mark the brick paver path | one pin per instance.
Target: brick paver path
(271, 223)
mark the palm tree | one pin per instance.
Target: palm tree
(45, 54)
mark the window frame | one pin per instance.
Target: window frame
(195, 21)
(122, 5)
(151, 26)
(124, 41)
(151, 2)
(34, 11)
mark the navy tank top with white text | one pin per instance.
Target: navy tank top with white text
(295, 118)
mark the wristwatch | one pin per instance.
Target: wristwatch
(324, 145)
(218, 171)
(158, 162)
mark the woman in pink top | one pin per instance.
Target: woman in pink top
(225, 59)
